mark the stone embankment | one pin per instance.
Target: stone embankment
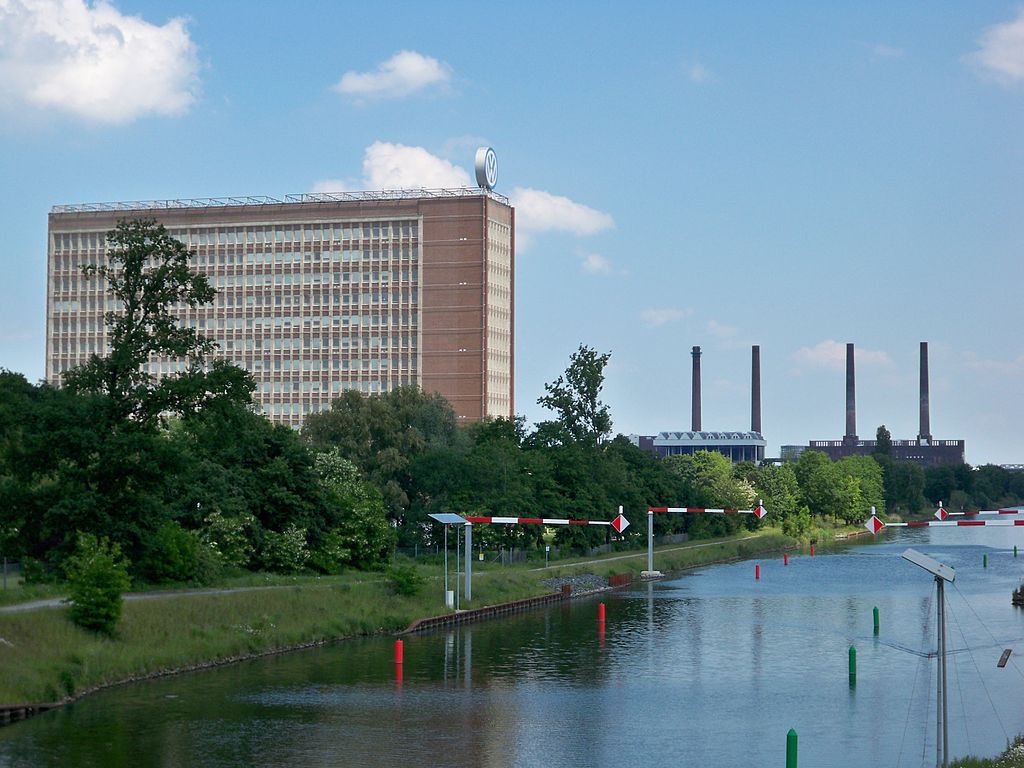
(565, 588)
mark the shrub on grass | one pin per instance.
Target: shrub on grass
(171, 555)
(229, 538)
(285, 552)
(97, 577)
(404, 580)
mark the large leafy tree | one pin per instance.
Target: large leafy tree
(575, 398)
(391, 437)
(147, 272)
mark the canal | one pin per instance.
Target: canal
(709, 669)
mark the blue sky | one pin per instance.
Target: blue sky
(794, 175)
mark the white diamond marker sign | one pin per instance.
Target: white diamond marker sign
(620, 524)
(874, 524)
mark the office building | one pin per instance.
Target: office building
(320, 293)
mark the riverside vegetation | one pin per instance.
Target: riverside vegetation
(179, 478)
(184, 631)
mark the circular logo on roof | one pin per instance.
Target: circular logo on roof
(486, 168)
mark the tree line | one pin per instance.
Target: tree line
(188, 480)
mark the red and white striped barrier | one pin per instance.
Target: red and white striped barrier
(875, 525)
(942, 514)
(620, 523)
(760, 511)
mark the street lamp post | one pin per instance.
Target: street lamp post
(942, 574)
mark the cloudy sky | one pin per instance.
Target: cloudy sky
(794, 175)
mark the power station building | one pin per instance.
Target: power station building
(735, 445)
(925, 450)
(320, 293)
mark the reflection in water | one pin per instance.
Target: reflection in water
(710, 669)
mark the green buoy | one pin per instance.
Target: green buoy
(791, 749)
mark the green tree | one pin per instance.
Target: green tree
(777, 487)
(883, 442)
(385, 436)
(97, 577)
(904, 487)
(171, 555)
(575, 397)
(819, 484)
(147, 272)
(361, 536)
(870, 491)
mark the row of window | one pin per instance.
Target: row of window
(282, 233)
(72, 284)
(73, 262)
(313, 278)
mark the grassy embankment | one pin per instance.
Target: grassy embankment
(46, 658)
(1013, 757)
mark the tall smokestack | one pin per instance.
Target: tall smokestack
(851, 397)
(926, 430)
(755, 389)
(695, 411)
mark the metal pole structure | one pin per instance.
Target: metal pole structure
(650, 540)
(458, 551)
(469, 561)
(942, 661)
(939, 762)
(446, 566)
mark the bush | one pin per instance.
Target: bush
(97, 577)
(797, 524)
(228, 538)
(171, 555)
(332, 553)
(35, 571)
(285, 552)
(404, 579)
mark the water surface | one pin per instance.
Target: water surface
(709, 669)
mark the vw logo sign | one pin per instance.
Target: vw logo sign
(486, 168)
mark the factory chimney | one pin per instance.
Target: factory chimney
(695, 410)
(755, 389)
(851, 398)
(925, 435)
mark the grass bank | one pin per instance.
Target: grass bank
(46, 658)
(1013, 757)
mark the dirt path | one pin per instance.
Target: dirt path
(58, 602)
(640, 554)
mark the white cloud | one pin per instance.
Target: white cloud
(335, 185)
(831, 355)
(698, 73)
(404, 73)
(1002, 50)
(1008, 367)
(655, 318)
(721, 330)
(595, 263)
(542, 211)
(93, 62)
(397, 166)
(883, 51)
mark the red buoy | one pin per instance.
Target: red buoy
(398, 652)
(785, 558)
(812, 550)
(757, 571)
(600, 613)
